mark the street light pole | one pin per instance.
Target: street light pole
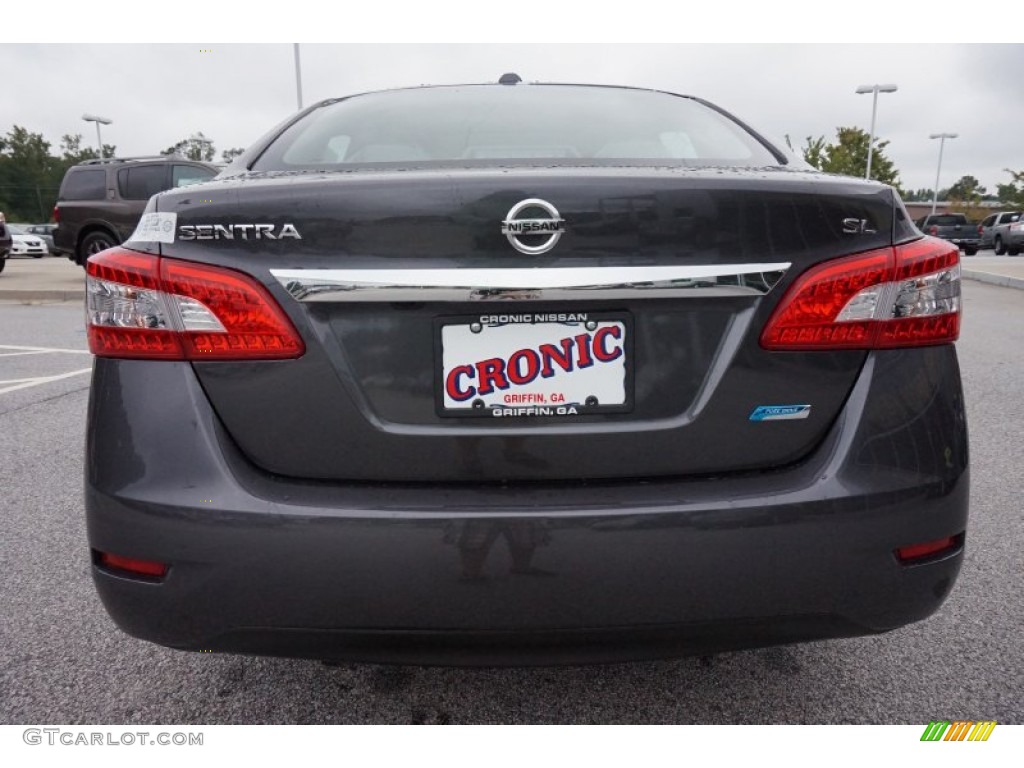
(97, 119)
(873, 89)
(942, 143)
(298, 76)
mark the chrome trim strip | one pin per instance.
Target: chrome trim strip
(530, 283)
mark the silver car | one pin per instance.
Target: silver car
(992, 231)
(1013, 237)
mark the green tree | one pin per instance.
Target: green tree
(1013, 193)
(27, 172)
(848, 156)
(195, 147)
(814, 152)
(230, 154)
(72, 150)
(965, 197)
(966, 189)
(917, 196)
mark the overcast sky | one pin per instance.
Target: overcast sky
(157, 94)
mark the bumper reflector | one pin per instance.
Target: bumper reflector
(927, 549)
(135, 567)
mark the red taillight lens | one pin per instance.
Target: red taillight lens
(892, 297)
(143, 306)
(806, 317)
(133, 566)
(933, 230)
(245, 323)
(56, 214)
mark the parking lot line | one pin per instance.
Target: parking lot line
(41, 350)
(35, 382)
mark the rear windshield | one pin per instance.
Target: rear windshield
(948, 219)
(523, 123)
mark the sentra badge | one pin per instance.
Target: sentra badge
(540, 234)
(237, 232)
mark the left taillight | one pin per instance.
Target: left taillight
(144, 306)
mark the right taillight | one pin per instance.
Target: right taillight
(902, 296)
(56, 214)
(143, 306)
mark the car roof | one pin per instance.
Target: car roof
(107, 161)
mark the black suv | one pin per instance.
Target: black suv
(101, 201)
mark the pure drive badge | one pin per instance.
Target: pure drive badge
(237, 232)
(531, 235)
(780, 412)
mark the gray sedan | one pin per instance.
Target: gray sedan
(44, 232)
(522, 374)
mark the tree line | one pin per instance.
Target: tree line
(31, 171)
(848, 155)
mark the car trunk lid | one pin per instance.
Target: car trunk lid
(408, 294)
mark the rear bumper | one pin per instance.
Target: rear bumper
(965, 242)
(530, 573)
(63, 243)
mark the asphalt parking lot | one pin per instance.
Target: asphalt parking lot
(62, 659)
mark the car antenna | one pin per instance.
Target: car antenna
(509, 78)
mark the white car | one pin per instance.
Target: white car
(24, 244)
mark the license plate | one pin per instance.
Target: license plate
(534, 364)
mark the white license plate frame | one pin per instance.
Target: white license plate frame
(601, 364)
